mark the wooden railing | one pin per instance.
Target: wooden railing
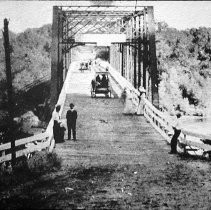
(25, 146)
(37, 142)
(188, 140)
(193, 140)
(161, 121)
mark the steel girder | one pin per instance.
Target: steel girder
(96, 19)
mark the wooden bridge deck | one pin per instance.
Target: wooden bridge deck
(104, 134)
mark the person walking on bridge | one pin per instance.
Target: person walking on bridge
(71, 117)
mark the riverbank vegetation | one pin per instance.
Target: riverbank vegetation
(184, 64)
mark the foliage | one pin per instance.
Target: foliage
(102, 53)
(30, 58)
(184, 64)
(44, 161)
(27, 169)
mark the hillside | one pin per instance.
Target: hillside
(184, 63)
(30, 62)
(30, 59)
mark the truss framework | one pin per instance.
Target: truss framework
(97, 19)
(136, 57)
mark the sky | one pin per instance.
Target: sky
(177, 14)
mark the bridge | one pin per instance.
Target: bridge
(102, 128)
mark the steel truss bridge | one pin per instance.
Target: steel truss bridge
(132, 64)
(135, 58)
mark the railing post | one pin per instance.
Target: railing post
(185, 141)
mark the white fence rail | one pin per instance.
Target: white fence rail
(163, 122)
(189, 140)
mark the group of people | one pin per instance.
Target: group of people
(101, 81)
(133, 103)
(59, 127)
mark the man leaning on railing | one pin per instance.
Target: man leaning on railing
(177, 131)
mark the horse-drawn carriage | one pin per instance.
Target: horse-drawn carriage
(100, 84)
(84, 66)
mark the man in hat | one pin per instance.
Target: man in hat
(177, 131)
(71, 117)
(140, 109)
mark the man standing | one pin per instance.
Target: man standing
(177, 131)
(71, 117)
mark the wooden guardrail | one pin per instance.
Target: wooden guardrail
(37, 142)
(188, 140)
(161, 121)
(25, 146)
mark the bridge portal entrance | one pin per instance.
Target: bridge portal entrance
(134, 58)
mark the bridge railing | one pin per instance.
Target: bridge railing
(192, 141)
(188, 140)
(161, 121)
(25, 146)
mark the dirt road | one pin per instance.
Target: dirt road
(118, 162)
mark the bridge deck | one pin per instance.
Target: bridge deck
(104, 134)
